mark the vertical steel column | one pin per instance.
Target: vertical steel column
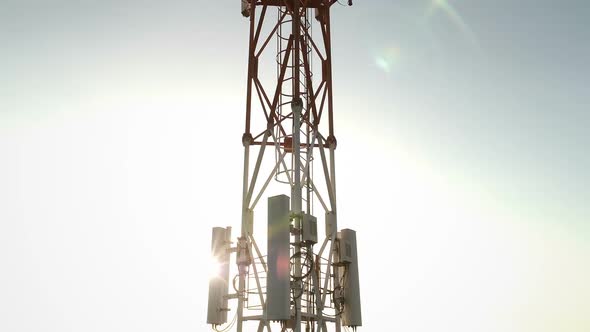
(297, 106)
(241, 268)
(331, 141)
(246, 141)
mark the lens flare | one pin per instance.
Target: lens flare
(214, 268)
(454, 17)
(388, 59)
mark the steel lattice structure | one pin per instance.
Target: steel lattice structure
(291, 118)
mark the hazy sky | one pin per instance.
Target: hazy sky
(462, 161)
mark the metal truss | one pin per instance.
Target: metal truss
(292, 118)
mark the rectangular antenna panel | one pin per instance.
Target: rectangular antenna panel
(349, 273)
(278, 279)
(218, 283)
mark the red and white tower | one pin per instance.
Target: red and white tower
(289, 142)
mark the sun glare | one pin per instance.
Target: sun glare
(214, 268)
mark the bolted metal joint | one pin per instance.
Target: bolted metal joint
(332, 143)
(247, 139)
(297, 105)
(245, 8)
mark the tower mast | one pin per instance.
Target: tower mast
(293, 286)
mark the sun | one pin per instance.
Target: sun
(214, 268)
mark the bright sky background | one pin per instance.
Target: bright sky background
(462, 161)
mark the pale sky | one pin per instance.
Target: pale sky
(462, 161)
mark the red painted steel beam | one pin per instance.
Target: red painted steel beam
(289, 3)
(316, 145)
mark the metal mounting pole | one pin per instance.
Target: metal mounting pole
(297, 106)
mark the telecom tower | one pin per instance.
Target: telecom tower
(289, 143)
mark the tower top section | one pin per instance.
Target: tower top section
(318, 4)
